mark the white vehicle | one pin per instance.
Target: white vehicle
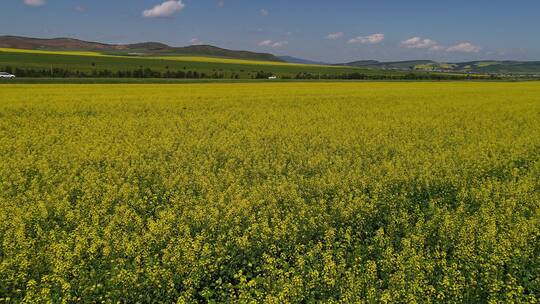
(272, 77)
(6, 75)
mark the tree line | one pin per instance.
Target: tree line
(57, 72)
(106, 73)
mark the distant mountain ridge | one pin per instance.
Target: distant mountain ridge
(157, 48)
(291, 59)
(19, 42)
(144, 48)
(478, 67)
(482, 66)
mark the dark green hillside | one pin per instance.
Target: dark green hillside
(398, 65)
(144, 48)
(479, 67)
(152, 49)
(511, 67)
(58, 65)
(362, 63)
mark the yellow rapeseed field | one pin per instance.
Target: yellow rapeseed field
(270, 193)
(235, 61)
(51, 52)
(185, 58)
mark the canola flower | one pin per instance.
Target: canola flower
(182, 58)
(270, 193)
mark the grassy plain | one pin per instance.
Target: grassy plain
(93, 61)
(183, 58)
(286, 192)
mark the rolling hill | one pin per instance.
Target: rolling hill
(28, 63)
(140, 49)
(212, 53)
(17, 42)
(477, 67)
(291, 59)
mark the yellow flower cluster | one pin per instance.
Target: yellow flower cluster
(270, 193)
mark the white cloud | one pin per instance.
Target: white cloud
(34, 2)
(424, 43)
(264, 12)
(165, 9)
(464, 47)
(421, 43)
(196, 41)
(273, 44)
(371, 39)
(279, 44)
(265, 43)
(437, 48)
(336, 35)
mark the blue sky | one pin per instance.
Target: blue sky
(330, 31)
